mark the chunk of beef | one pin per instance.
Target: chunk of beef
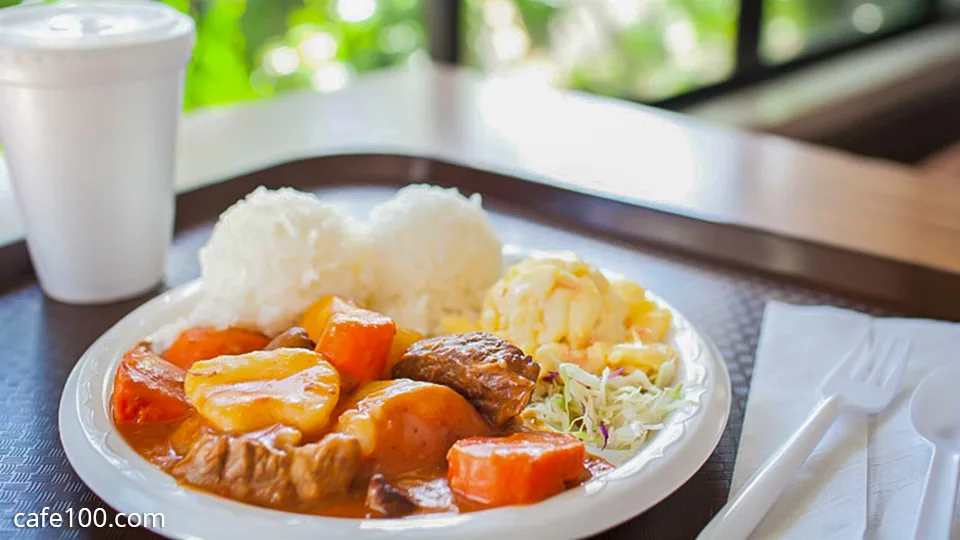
(187, 433)
(493, 374)
(325, 469)
(388, 499)
(432, 495)
(267, 469)
(294, 338)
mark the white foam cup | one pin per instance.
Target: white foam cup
(90, 96)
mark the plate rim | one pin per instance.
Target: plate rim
(609, 503)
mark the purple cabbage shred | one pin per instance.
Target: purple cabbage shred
(551, 376)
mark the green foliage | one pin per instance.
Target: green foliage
(796, 27)
(647, 50)
(220, 69)
(536, 18)
(235, 38)
(651, 50)
(640, 50)
(264, 21)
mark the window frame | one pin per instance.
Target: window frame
(444, 28)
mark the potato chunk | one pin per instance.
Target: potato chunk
(404, 425)
(317, 316)
(404, 338)
(239, 394)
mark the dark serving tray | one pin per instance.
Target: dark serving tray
(41, 339)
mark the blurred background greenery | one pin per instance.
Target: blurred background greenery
(254, 49)
(646, 50)
(651, 50)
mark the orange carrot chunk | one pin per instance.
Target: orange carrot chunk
(205, 342)
(522, 468)
(318, 314)
(357, 341)
(148, 389)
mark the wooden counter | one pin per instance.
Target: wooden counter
(645, 155)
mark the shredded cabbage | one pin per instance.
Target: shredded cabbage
(611, 410)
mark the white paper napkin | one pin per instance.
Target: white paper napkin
(865, 479)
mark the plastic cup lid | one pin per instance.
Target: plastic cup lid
(87, 25)
(91, 42)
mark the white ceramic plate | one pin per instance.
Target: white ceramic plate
(128, 483)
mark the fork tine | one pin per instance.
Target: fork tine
(857, 359)
(882, 355)
(900, 362)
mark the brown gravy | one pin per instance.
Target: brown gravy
(429, 486)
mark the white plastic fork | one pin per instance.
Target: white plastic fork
(865, 381)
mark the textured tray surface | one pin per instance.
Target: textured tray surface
(41, 340)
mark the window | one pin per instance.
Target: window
(794, 28)
(249, 49)
(637, 49)
(667, 52)
(674, 52)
